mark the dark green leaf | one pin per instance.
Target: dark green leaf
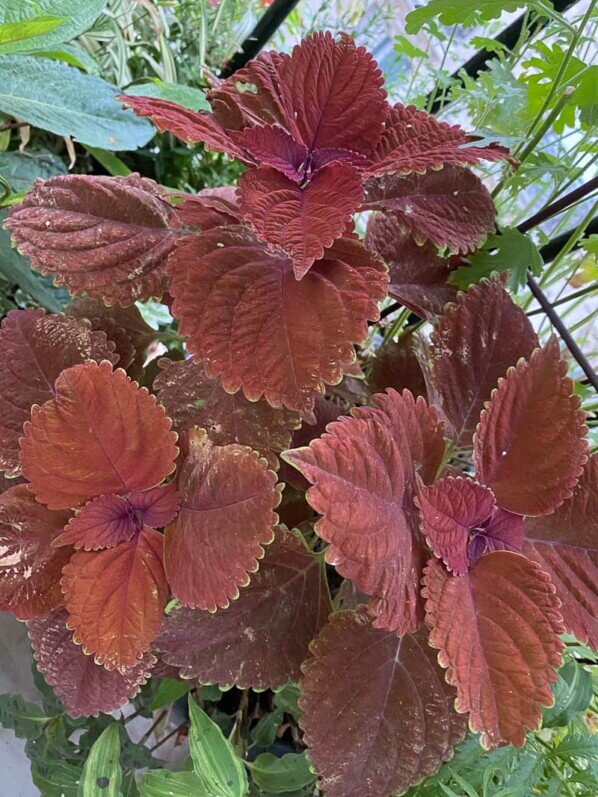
(286, 699)
(511, 251)
(264, 732)
(25, 719)
(572, 693)
(22, 168)
(279, 775)
(168, 691)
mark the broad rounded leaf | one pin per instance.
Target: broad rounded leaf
(396, 365)
(191, 399)
(34, 349)
(450, 208)
(474, 344)
(263, 636)
(265, 331)
(85, 688)
(228, 497)
(378, 714)
(529, 446)
(363, 471)
(115, 599)
(497, 630)
(106, 236)
(565, 545)
(301, 220)
(101, 434)
(30, 567)
(102, 523)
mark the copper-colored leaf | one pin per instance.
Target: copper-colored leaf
(34, 349)
(396, 365)
(301, 220)
(451, 208)
(474, 344)
(102, 523)
(156, 507)
(228, 497)
(497, 630)
(378, 714)
(265, 331)
(85, 688)
(212, 207)
(270, 145)
(529, 446)
(101, 434)
(29, 566)
(263, 636)
(115, 599)
(565, 544)
(363, 471)
(106, 236)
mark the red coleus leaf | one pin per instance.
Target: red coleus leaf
(418, 277)
(397, 365)
(529, 446)
(156, 507)
(213, 207)
(497, 630)
(363, 471)
(34, 349)
(450, 208)
(263, 636)
(105, 236)
(115, 599)
(263, 330)
(85, 688)
(565, 545)
(191, 399)
(461, 522)
(414, 141)
(301, 220)
(270, 145)
(474, 344)
(378, 714)
(228, 497)
(29, 566)
(101, 434)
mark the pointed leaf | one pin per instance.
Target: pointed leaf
(35, 348)
(86, 688)
(102, 773)
(102, 523)
(497, 630)
(529, 446)
(450, 208)
(101, 434)
(363, 471)
(474, 344)
(227, 500)
(164, 783)
(260, 641)
(271, 146)
(263, 330)
(565, 545)
(30, 567)
(105, 236)
(378, 715)
(115, 599)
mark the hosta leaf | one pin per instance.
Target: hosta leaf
(414, 141)
(378, 715)
(228, 497)
(280, 775)
(363, 471)
(565, 544)
(263, 330)
(30, 567)
(450, 208)
(302, 221)
(396, 365)
(115, 599)
(496, 629)
(417, 275)
(191, 399)
(101, 434)
(263, 636)
(476, 341)
(86, 688)
(102, 773)
(529, 446)
(35, 348)
(164, 783)
(105, 236)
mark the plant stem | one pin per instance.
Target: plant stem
(153, 727)
(569, 298)
(561, 204)
(168, 736)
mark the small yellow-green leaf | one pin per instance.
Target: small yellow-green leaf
(29, 29)
(102, 774)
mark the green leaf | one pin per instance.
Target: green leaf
(53, 705)
(577, 745)
(264, 732)
(56, 778)
(22, 168)
(279, 775)
(76, 17)
(72, 55)
(167, 692)
(102, 773)
(111, 162)
(186, 96)
(286, 699)
(572, 694)
(59, 98)
(130, 786)
(510, 251)
(402, 46)
(464, 12)
(163, 783)
(12, 32)
(25, 719)
(586, 97)
(219, 769)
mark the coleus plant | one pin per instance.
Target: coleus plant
(462, 580)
